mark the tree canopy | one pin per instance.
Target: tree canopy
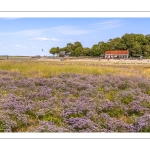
(136, 44)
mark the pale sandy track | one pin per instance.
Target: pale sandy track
(122, 61)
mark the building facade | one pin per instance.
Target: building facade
(64, 54)
(117, 54)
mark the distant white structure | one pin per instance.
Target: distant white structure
(42, 53)
(64, 54)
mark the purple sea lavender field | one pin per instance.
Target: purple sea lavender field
(111, 124)
(136, 107)
(142, 124)
(78, 102)
(49, 126)
(26, 83)
(67, 102)
(6, 124)
(12, 101)
(81, 125)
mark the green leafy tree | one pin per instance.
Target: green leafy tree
(137, 44)
(70, 47)
(77, 44)
(65, 49)
(102, 47)
(54, 50)
(140, 38)
(94, 50)
(76, 48)
(146, 51)
(86, 51)
(136, 49)
(77, 52)
(112, 43)
(147, 37)
(120, 45)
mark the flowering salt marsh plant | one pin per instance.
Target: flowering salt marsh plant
(70, 102)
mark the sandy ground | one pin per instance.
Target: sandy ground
(121, 61)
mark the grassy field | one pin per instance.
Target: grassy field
(74, 96)
(36, 68)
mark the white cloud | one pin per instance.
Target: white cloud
(42, 39)
(67, 30)
(70, 30)
(64, 30)
(109, 24)
(19, 46)
(53, 39)
(34, 32)
(70, 40)
(10, 18)
(32, 46)
(5, 47)
(45, 39)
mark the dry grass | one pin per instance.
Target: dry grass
(47, 68)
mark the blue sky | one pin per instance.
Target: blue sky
(28, 36)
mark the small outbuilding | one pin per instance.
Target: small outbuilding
(117, 54)
(64, 54)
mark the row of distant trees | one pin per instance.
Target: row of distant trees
(137, 44)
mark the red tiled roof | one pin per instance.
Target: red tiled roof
(117, 52)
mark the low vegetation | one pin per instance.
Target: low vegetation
(74, 97)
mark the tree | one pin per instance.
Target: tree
(77, 52)
(76, 48)
(136, 50)
(146, 51)
(147, 37)
(137, 44)
(112, 43)
(128, 39)
(70, 47)
(94, 50)
(102, 47)
(120, 45)
(77, 44)
(54, 50)
(140, 38)
(86, 51)
(99, 49)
